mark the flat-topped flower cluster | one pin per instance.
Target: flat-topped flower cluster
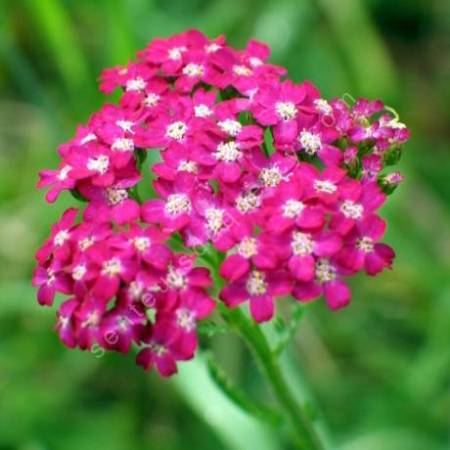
(276, 184)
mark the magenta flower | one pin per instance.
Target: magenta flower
(133, 77)
(111, 268)
(216, 221)
(302, 249)
(259, 288)
(257, 182)
(175, 210)
(65, 324)
(59, 243)
(290, 206)
(326, 281)
(250, 251)
(174, 126)
(356, 204)
(50, 280)
(279, 104)
(163, 349)
(59, 180)
(122, 326)
(362, 249)
(270, 172)
(146, 244)
(149, 102)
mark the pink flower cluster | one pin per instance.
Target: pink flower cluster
(260, 175)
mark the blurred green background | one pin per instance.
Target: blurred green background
(377, 373)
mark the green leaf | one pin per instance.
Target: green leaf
(268, 142)
(239, 397)
(141, 155)
(210, 328)
(392, 156)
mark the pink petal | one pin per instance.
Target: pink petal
(306, 291)
(302, 267)
(233, 294)
(310, 218)
(200, 277)
(327, 245)
(153, 211)
(234, 267)
(337, 294)
(262, 308)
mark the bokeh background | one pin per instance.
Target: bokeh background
(376, 375)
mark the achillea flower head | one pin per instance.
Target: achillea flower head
(282, 184)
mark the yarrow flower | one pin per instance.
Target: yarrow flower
(260, 183)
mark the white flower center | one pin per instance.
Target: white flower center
(324, 271)
(151, 99)
(243, 71)
(325, 186)
(352, 210)
(85, 243)
(114, 196)
(112, 267)
(92, 320)
(99, 164)
(88, 138)
(202, 111)
(51, 278)
(212, 48)
(194, 70)
(310, 142)
(63, 321)
(248, 202)
(125, 125)
(286, 110)
(228, 151)
(185, 319)
(256, 283)
(78, 272)
(323, 106)
(61, 237)
(158, 349)
(270, 177)
(176, 52)
(141, 243)
(175, 279)
(136, 289)
(255, 62)
(135, 84)
(248, 247)
(63, 172)
(230, 126)
(177, 204)
(123, 145)
(176, 130)
(292, 208)
(123, 323)
(214, 219)
(365, 244)
(187, 166)
(302, 244)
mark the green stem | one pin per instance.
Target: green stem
(306, 437)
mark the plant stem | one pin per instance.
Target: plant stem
(306, 437)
